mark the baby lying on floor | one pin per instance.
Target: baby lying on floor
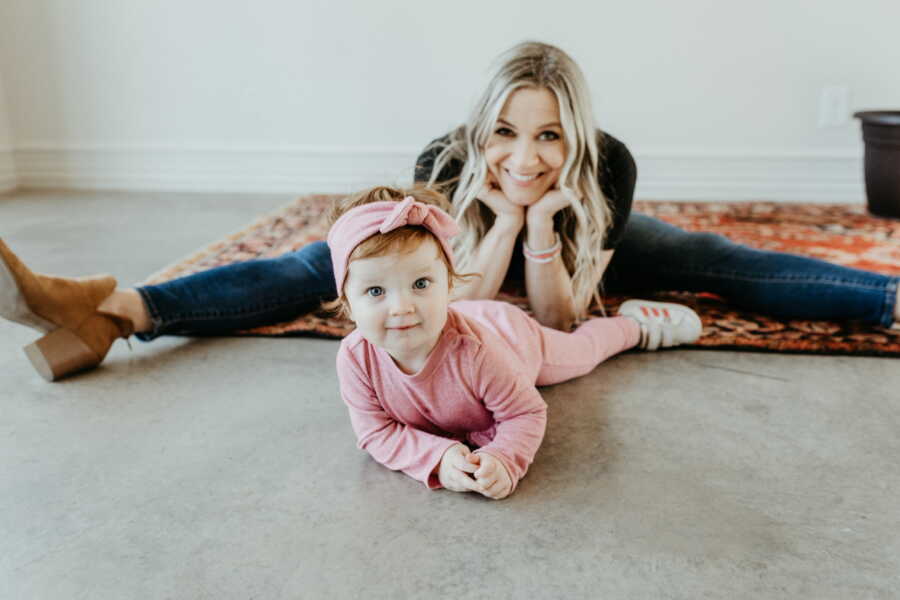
(426, 380)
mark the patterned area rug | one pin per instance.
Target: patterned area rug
(843, 234)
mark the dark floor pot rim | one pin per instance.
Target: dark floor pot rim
(881, 134)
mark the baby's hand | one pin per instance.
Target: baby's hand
(456, 463)
(492, 477)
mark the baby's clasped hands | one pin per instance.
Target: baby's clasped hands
(490, 476)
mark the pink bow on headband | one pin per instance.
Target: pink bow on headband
(410, 212)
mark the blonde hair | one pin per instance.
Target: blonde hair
(583, 224)
(401, 240)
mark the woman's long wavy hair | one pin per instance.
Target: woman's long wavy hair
(582, 225)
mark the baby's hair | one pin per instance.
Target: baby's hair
(383, 193)
(401, 240)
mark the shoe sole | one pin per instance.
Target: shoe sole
(12, 302)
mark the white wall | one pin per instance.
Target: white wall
(7, 166)
(717, 99)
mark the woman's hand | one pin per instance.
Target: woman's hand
(496, 200)
(542, 211)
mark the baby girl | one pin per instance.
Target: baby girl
(445, 391)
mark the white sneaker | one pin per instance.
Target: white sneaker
(663, 324)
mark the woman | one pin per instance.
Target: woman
(528, 165)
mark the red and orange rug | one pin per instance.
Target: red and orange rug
(843, 234)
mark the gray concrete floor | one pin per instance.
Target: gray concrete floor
(226, 468)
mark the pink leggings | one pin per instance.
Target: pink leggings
(554, 355)
(570, 355)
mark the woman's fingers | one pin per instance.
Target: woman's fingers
(494, 198)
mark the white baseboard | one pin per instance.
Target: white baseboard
(671, 174)
(8, 180)
(263, 170)
(776, 176)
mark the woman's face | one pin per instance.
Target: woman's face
(526, 151)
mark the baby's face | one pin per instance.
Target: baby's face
(399, 302)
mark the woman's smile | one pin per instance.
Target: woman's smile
(521, 178)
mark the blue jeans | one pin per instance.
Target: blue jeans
(651, 256)
(241, 295)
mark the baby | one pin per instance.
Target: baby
(426, 379)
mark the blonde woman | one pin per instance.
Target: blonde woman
(540, 194)
(529, 175)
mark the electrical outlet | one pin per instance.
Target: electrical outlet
(834, 106)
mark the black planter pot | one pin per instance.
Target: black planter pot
(881, 133)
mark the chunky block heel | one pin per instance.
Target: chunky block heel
(78, 336)
(60, 353)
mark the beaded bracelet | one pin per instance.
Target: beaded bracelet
(542, 256)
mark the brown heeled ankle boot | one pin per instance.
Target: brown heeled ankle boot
(78, 336)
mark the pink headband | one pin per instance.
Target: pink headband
(362, 222)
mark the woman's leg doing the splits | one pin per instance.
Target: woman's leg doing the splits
(80, 318)
(656, 256)
(241, 295)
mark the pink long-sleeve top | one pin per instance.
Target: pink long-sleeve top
(476, 386)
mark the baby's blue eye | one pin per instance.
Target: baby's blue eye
(375, 291)
(421, 283)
